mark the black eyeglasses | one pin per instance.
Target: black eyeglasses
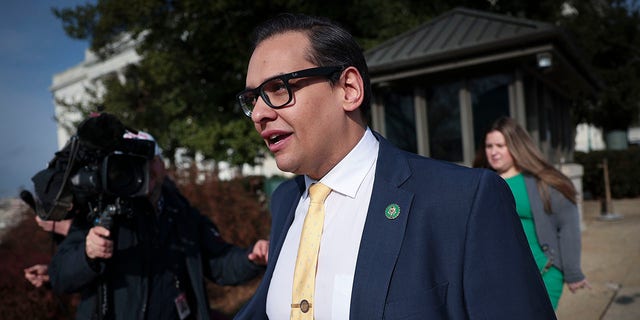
(276, 91)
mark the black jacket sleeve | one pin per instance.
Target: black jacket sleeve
(70, 270)
(224, 263)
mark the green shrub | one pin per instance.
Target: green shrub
(624, 172)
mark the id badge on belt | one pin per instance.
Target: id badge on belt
(182, 306)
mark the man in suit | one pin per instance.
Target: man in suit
(404, 236)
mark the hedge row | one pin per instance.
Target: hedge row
(624, 172)
(237, 207)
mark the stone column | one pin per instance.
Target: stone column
(575, 172)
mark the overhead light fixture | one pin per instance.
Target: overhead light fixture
(545, 60)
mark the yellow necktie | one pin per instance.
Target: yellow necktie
(304, 276)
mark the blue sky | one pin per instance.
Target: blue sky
(33, 47)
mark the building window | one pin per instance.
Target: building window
(489, 101)
(443, 114)
(400, 119)
(451, 117)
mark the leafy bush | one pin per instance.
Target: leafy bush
(624, 172)
(23, 246)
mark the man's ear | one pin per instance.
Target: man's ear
(353, 87)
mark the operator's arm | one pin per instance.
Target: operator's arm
(227, 264)
(71, 269)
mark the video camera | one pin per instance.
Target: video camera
(97, 172)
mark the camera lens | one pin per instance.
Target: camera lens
(125, 175)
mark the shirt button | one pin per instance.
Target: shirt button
(304, 306)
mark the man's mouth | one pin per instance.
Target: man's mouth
(275, 138)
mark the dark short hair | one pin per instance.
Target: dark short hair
(331, 44)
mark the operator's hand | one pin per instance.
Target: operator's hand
(37, 274)
(46, 225)
(98, 245)
(260, 253)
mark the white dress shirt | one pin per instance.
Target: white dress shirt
(351, 181)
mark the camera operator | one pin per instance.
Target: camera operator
(154, 262)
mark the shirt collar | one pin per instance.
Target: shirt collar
(347, 176)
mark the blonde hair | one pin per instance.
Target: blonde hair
(528, 159)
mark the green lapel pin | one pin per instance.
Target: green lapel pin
(392, 211)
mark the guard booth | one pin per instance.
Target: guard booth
(437, 87)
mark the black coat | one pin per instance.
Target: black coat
(204, 252)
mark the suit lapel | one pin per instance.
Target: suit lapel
(256, 308)
(382, 236)
(291, 203)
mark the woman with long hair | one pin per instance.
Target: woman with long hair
(545, 202)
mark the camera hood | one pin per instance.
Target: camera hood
(53, 199)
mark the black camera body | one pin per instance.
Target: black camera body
(123, 172)
(96, 171)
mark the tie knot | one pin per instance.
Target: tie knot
(318, 192)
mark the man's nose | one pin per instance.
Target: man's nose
(261, 111)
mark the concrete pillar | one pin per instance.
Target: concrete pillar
(575, 172)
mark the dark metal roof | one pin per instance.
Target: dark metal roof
(464, 34)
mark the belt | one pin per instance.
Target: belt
(547, 266)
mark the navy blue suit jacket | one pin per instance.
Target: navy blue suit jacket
(456, 251)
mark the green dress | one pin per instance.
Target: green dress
(553, 278)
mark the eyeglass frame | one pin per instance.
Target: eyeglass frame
(305, 73)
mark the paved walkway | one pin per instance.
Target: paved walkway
(611, 262)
